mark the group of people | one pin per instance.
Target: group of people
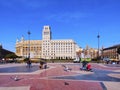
(42, 64)
(86, 66)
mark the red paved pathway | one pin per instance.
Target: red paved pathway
(41, 81)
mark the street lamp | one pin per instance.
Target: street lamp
(98, 36)
(29, 45)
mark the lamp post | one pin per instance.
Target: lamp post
(29, 45)
(98, 36)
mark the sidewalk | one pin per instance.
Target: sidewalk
(15, 88)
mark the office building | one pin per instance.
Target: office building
(47, 47)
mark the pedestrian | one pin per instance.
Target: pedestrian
(41, 64)
(29, 63)
(88, 67)
(84, 63)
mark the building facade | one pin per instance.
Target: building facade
(87, 52)
(90, 52)
(47, 48)
(111, 53)
(22, 48)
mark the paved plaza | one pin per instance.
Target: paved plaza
(20, 77)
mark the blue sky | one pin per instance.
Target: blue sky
(80, 20)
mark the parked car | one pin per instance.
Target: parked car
(106, 59)
(76, 61)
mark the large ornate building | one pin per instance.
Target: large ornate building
(46, 48)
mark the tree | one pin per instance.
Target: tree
(118, 50)
(11, 56)
(26, 59)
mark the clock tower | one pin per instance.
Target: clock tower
(46, 33)
(46, 38)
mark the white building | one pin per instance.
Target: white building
(47, 48)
